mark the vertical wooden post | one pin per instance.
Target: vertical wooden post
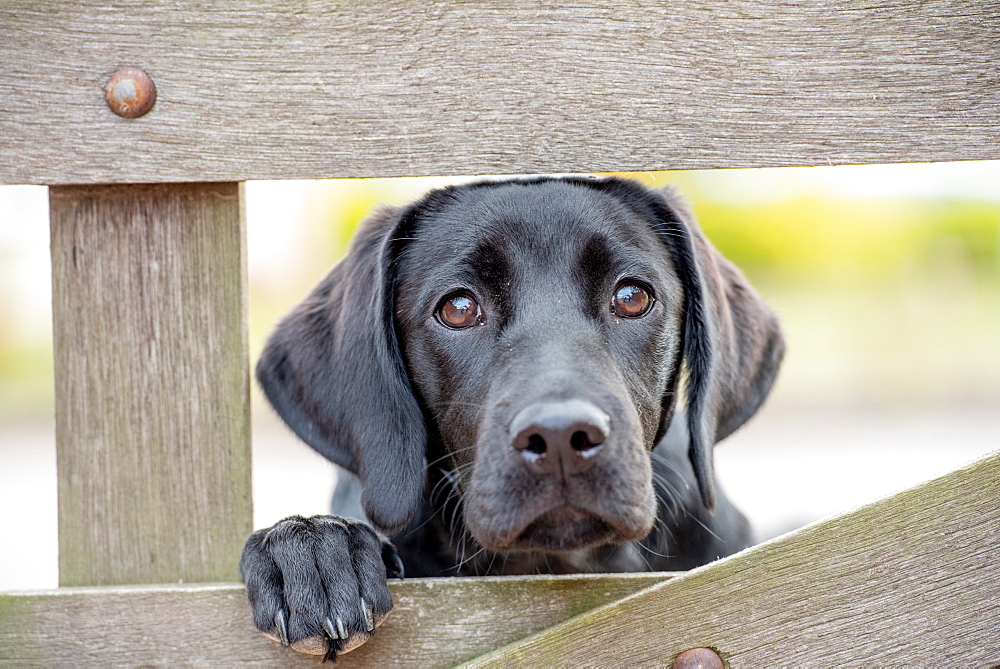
(151, 373)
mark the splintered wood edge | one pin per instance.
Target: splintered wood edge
(911, 579)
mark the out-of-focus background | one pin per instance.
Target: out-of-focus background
(886, 278)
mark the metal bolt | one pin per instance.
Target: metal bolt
(130, 92)
(698, 658)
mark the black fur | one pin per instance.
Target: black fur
(423, 417)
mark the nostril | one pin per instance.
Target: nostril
(585, 444)
(580, 441)
(536, 444)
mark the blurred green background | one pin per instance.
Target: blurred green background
(886, 279)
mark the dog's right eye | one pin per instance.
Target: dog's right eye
(458, 311)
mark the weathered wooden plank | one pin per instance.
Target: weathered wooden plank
(152, 387)
(310, 88)
(911, 580)
(436, 622)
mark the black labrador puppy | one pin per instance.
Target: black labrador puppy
(520, 376)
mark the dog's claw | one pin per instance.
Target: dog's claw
(393, 563)
(330, 630)
(335, 630)
(397, 571)
(281, 624)
(369, 615)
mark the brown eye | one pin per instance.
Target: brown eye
(631, 300)
(459, 311)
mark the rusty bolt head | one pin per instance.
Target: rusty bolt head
(130, 92)
(698, 658)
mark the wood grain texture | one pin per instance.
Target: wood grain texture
(311, 89)
(912, 580)
(152, 386)
(436, 622)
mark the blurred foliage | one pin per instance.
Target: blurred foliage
(810, 237)
(817, 239)
(26, 385)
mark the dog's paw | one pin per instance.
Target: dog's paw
(319, 584)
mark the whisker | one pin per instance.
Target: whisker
(649, 567)
(452, 453)
(662, 459)
(449, 480)
(650, 550)
(664, 538)
(444, 480)
(675, 495)
(453, 524)
(670, 495)
(706, 528)
(471, 557)
(489, 569)
(478, 405)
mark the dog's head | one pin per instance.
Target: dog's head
(536, 332)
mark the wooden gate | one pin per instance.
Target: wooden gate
(149, 283)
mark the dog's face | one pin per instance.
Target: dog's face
(541, 326)
(534, 332)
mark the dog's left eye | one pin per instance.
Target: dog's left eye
(631, 300)
(459, 310)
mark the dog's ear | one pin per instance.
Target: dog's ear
(333, 371)
(732, 342)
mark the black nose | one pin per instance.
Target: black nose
(559, 438)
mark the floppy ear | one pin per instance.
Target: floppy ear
(732, 342)
(333, 371)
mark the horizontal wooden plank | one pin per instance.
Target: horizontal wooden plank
(310, 88)
(911, 580)
(436, 622)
